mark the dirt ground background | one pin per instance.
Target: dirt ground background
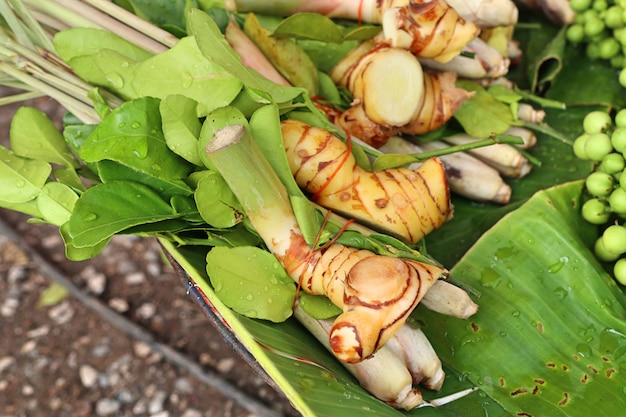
(66, 359)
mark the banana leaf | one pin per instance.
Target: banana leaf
(297, 364)
(550, 336)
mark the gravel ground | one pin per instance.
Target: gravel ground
(64, 358)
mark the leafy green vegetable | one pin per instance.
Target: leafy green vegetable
(215, 48)
(318, 306)
(77, 42)
(181, 126)
(52, 295)
(482, 115)
(315, 26)
(552, 320)
(132, 136)
(56, 202)
(109, 208)
(33, 135)
(267, 293)
(21, 179)
(215, 201)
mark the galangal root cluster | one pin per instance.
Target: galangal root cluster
(406, 203)
(392, 94)
(376, 293)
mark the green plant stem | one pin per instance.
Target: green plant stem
(63, 16)
(263, 196)
(77, 13)
(17, 98)
(134, 21)
(47, 63)
(81, 110)
(14, 24)
(422, 156)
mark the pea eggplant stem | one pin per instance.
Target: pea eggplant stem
(467, 175)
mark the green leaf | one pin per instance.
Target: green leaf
(539, 287)
(33, 135)
(181, 127)
(482, 115)
(74, 253)
(216, 203)
(69, 177)
(309, 26)
(56, 202)
(52, 295)
(266, 294)
(131, 135)
(184, 70)
(167, 188)
(548, 63)
(21, 179)
(109, 208)
(316, 26)
(318, 306)
(574, 86)
(107, 68)
(78, 41)
(286, 56)
(215, 48)
(162, 12)
(29, 207)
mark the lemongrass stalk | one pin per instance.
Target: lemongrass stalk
(479, 60)
(509, 161)
(52, 24)
(15, 24)
(16, 98)
(62, 15)
(37, 34)
(384, 375)
(98, 19)
(467, 175)
(487, 13)
(52, 65)
(134, 21)
(84, 112)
